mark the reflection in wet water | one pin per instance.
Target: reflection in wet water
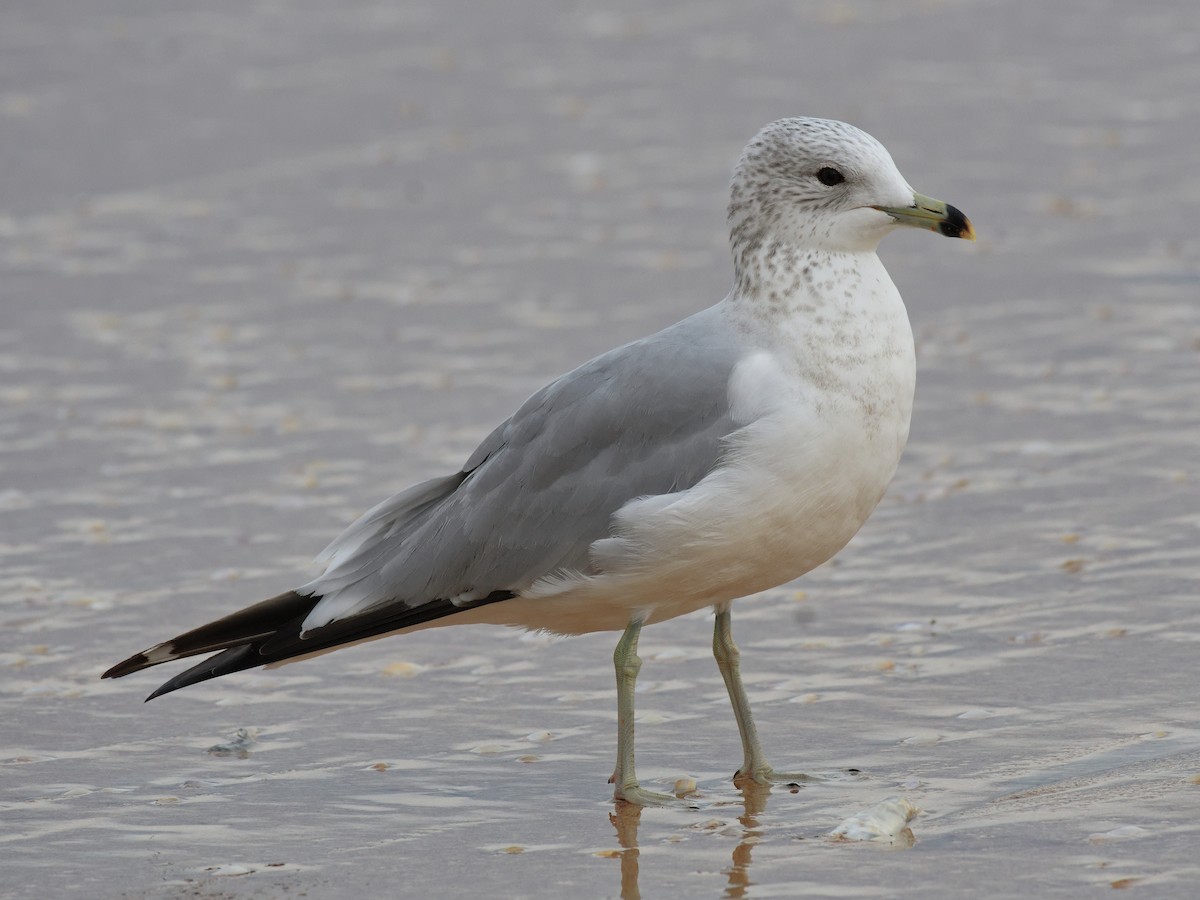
(755, 797)
(625, 819)
(884, 824)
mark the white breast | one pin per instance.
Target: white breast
(824, 395)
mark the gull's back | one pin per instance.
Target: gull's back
(645, 419)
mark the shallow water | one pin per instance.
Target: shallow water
(262, 265)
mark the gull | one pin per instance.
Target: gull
(727, 454)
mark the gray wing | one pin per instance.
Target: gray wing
(647, 418)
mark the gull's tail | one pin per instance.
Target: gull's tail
(269, 632)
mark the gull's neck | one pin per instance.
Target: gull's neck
(835, 320)
(780, 277)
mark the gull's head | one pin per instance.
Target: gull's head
(822, 184)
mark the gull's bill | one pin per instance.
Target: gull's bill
(932, 215)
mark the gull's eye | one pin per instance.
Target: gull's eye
(829, 177)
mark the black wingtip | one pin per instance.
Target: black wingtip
(282, 642)
(164, 688)
(254, 623)
(234, 659)
(135, 663)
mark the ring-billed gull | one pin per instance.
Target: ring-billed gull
(727, 454)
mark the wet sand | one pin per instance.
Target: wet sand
(262, 265)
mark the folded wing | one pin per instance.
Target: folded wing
(645, 419)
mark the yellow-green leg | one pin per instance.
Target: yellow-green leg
(627, 664)
(754, 763)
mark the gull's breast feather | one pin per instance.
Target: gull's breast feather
(793, 487)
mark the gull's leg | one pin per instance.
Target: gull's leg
(627, 664)
(754, 763)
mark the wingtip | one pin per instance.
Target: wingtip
(158, 692)
(159, 653)
(183, 679)
(133, 664)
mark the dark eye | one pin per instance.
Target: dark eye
(829, 177)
